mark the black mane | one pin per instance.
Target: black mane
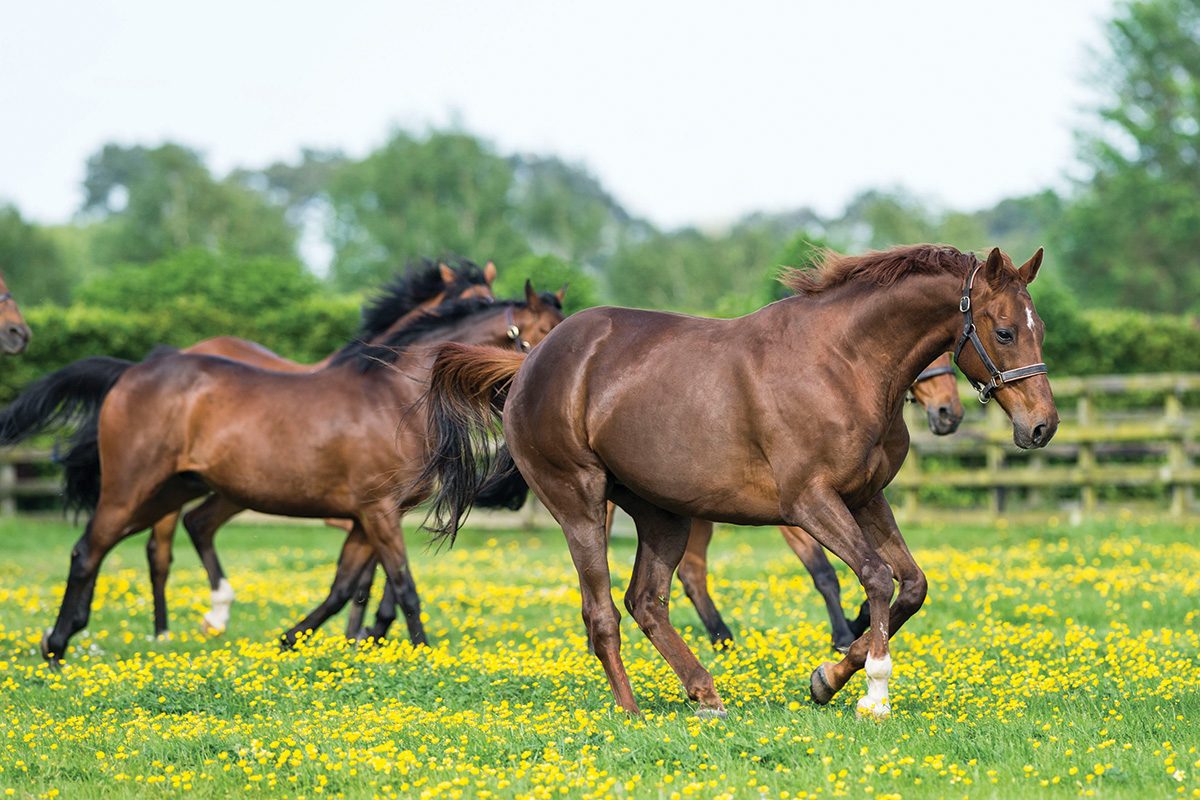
(405, 293)
(367, 356)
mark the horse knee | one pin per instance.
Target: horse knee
(912, 592)
(877, 579)
(647, 609)
(603, 626)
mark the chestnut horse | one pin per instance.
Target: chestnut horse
(425, 285)
(320, 444)
(935, 390)
(801, 427)
(14, 332)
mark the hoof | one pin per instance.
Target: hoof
(843, 648)
(704, 712)
(209, 628)
(819, 688)
(54, 660)
(873, 710)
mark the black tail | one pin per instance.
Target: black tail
(467, 386)
(74, 394)
(505, 487)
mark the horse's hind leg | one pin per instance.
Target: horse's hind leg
(358, 605)
(576, 499)
(662, 540)
(159, 555)
(202, 524)
(825, 578)
(693, 574)
(356, 552)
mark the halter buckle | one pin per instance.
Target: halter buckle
(964, 305)
(513, 332)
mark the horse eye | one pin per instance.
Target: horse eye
(1004, 336)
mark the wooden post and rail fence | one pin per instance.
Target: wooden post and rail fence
(1125, 441)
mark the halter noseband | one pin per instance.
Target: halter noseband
(6, 296)
(969, 334)
(514, 333)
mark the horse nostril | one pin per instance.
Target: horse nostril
(1039, 434)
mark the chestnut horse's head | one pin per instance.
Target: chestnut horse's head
(14, 332)
(1000, 349)
(528, 324)
(936, 391)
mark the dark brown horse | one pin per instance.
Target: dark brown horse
(425, 285)
(800, 428)
(935, 390)
(14, 332)
(329, 443)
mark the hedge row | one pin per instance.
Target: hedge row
(1077, 343)
(305, 331)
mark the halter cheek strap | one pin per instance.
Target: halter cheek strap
(969, 334)
(926, 374)
(514, 333)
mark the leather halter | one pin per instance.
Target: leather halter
(514, 333)
(969, 334)
(926, 374)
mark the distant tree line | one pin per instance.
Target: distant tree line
(163, 250)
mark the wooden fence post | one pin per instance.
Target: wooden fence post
(8, 489)
(1087, 454)
(1177, 456)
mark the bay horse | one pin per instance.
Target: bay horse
(328, 443)
(936, 391)
(14, 331)
(799, 428)
(424, 285)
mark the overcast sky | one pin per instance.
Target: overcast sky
(689, 112)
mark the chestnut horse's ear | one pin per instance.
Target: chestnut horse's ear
(489, 273)
(448, 276)
(532, 301)
(1029, 269)
(561, 293)
(994, 271)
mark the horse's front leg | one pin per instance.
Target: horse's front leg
(822, 513)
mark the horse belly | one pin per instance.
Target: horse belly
(686, 468)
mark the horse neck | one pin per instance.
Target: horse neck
(484, 327)
(893, 333)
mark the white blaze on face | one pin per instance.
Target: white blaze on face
(1029, 318)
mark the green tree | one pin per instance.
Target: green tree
(412, 197)
(33, 267)
(690, 270)
(1132, 237)
(877, 220)
(563, 210)
(238, 286)
(155, 202)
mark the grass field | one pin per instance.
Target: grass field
(1047, 662)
